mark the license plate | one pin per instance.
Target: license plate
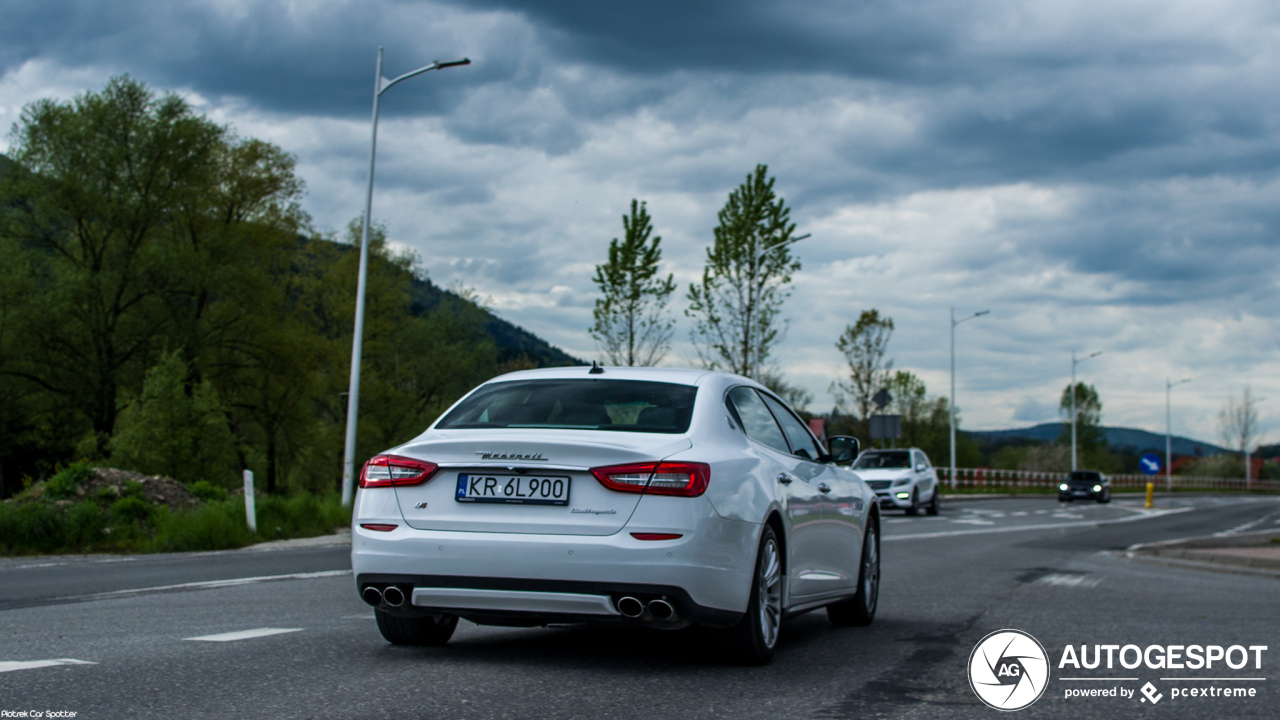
(513, 489)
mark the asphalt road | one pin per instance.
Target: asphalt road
(109, 637)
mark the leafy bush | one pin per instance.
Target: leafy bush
(132, 489)
(134, 525)
(132, 510)
(207, 491)
(64, 484)
(31, 528)
(212, 526)
(86, 524)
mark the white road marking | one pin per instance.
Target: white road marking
(1069, 580)
(1019, 513)
(1039, 526)
(972, 521)
(9, 666)
(359, 617)
(244, 634)
(206, 585)
(1042, 512)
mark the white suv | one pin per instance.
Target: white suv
(901, 479)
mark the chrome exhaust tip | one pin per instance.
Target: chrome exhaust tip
(662, 610)
(630, 607)
(372, 596)
(393, 596)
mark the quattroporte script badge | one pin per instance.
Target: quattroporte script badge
(1008, 670)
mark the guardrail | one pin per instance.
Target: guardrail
(991, 480)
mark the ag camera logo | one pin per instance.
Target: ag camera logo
(1008, 670)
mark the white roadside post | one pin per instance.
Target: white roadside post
(357, 341)
(954, 323)
(250, 511)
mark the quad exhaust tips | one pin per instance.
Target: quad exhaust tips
(661, 610)
(630, 607)
(391, 596)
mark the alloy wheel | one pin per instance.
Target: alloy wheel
(770, 589)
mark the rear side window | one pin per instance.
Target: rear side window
(757, 422)
(802, 444)
(586, 404)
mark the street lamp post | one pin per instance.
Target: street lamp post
(954, 323)
(1168, 431)
(357, 341)
(756, 349)
(1072, 391)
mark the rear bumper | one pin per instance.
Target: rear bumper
(524, 601)
(708, 570)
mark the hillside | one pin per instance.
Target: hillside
(1130, 439)
(513, 341)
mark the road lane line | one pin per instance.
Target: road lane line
(244, 634)
(11, 665)
(208, 584)
(1040, 526)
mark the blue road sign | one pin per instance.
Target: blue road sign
(1150, 464)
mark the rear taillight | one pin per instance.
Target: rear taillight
(683, 479)
(389, 470)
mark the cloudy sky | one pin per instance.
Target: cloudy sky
(1102, 176)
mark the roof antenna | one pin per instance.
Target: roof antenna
(595, 369)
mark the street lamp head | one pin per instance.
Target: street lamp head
(980, 314)
(452, 63)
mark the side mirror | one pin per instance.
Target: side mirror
(844, 449)
(920, 467)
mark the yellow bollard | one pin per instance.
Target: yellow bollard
(1151, 491)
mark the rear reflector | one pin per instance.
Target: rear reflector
(379, 527)
(656, 536)
(683, 479)
(389, 470)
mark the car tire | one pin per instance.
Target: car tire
(1105, 497)
(430, 630)
(935, 503)
(914, 508)
(753, 640)
(860, 610)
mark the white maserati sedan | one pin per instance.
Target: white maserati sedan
(655, 496)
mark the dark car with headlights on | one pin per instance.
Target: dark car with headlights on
(1085, 485)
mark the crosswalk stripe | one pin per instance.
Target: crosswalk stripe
(244, 634)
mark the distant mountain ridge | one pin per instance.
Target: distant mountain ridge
(1121, 438)
(513, 341)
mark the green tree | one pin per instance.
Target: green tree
(736, 304)
(864, 345)
(1089, 433)
(631, 320)
(102, 178)
(165, 431)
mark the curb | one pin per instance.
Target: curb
(342, 537)
(1196, 553)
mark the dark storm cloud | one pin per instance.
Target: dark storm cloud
(319, 60)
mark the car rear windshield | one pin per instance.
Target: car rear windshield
(586, 404)
(874, 460)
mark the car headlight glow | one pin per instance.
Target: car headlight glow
(903, 496)
(1062, 487)
(1097, 488)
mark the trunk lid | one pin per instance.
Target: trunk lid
(528, 454)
